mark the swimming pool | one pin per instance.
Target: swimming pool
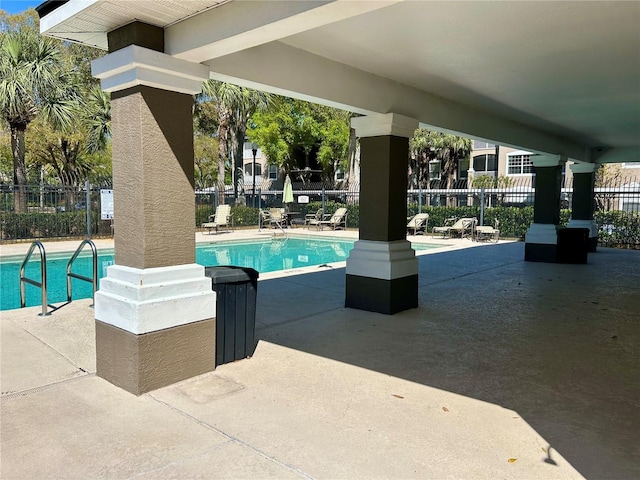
(263, 255)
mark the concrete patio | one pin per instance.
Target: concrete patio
(506, 370)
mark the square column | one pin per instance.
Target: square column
(382, 269)
(542, 237)
(583, 201)
(155, 308)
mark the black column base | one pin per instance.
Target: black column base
(540, 252)
(593, 244)
(382, 296)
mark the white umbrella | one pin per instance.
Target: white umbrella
(287, 194)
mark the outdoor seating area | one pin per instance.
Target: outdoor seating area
(460, 228)
(468, 228)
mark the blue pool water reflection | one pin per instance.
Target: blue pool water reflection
(264, 256)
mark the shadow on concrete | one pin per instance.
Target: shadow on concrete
(558, 344)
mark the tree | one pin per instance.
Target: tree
(607, 175)
(73, 149)
(300, 136)
(206, 160)
(31, 73)
(450, 149)
(6, 159)
(235, 106)
(49, 82)
(335, 139)
(422, 148)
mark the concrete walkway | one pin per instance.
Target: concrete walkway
(506, 370)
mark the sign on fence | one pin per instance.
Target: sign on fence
(106, 204)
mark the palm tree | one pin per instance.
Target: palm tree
(423, 148)
(97, 113)
(30, 79)
(451, 149)
(236, 105)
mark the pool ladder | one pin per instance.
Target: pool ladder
(42, 284)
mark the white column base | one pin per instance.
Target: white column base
(542, 233)
(590, 224)
(147, 300)
(382, 260)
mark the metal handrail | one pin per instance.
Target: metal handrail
(42, 284)
(94, 278)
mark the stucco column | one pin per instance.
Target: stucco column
(382, 269)
(542, 237)
(583, 201)
(154, 309)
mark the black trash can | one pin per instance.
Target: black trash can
(236, 289)
(573, 245)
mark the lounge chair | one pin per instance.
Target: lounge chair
(444, 230)
(264, 219)
(312, 219)
(462, 228)
(418, 223)
(465, 229)
(337, 220)
(222, 218)
(488, 233)
(277, 218)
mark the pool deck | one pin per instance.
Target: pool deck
(507, 369)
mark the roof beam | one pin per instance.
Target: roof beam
(239, 25)
(616, 155)
(285, 70)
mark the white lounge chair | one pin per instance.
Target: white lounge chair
(487, 232)
(418, 223)
(464, 227)
(222, 218)
(337, 220)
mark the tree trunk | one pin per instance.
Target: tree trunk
(351, 176)
(238, 145)
(450, 166)
(19, 168)
(223, 150)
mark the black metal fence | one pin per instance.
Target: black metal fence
(57, 212)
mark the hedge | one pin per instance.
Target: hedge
(621, 229)
(17, 226)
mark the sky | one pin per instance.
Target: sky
(18, 6)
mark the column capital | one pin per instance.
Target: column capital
(548, 160)
(583, 167)
(134, 65)
(384, 124)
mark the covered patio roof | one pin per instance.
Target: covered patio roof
(553, 77)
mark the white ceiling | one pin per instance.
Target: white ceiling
(559, 77)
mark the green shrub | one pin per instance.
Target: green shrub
(202, 214)
(244, 216)
(16, 226)
(618, 229)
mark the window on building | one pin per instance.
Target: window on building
(485, 163)
(519, 165)
(463, 168)
(273, 172)
(248, 169)
(478, 144)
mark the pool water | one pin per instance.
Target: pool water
(264, 256)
